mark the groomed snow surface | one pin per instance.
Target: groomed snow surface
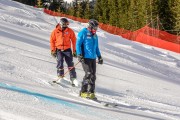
(144, 81)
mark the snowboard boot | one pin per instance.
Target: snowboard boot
(92, 96)
(88, 95)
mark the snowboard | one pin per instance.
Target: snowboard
(103, 103)
(66, 83)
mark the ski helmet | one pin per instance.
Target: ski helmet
(63, 22)
(93, 24)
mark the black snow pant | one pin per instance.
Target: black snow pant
(67, 55)
(89, 67)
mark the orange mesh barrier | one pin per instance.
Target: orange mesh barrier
(155, 38)
(144, 35)
(161, 34)
(150, 40)
(104, 27)
(111, 29)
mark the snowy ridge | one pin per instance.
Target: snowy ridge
(142, 80)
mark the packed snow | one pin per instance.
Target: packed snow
(142, 80)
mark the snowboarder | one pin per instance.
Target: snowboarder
(87, 50)
(62, 43)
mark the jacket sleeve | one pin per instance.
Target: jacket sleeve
(73, 39)
(97, 49)
(79, 42)
(52, 41)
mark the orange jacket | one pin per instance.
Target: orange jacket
(62, 39)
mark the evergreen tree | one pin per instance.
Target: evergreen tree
(87, 12)
(105, 11)
(75, 8)
(70, 10)
(141, 19)
(136, 14)
(80, 10)
(123, 6)
(127, 14)
(152, 13)
(175, 10)
(132, 14)
(97, 14)
(113, 12)
(165, 14)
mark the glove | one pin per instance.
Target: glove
(74, 54)
(80, 58)
(100, 60)
(54, 54)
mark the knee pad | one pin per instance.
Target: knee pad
(88, 75)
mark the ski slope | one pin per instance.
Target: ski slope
(144, 81)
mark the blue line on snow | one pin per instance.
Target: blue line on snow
(52, 99)
(57, 100)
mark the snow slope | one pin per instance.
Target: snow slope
(144, 81)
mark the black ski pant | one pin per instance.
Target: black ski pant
(89, 67)
(67, 56)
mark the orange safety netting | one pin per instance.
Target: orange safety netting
(144, 35)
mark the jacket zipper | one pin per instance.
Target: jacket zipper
(93, 42)
(63, 39)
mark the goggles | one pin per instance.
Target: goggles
(64, 24)
(93, 27)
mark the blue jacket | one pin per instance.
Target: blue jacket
(87, 44)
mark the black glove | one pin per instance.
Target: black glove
(74, 54)
(54, 54)
(100, 60)
(80, 58)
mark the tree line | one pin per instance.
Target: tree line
(135, 14)
(127, 14)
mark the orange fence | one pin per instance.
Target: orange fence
(144, 35)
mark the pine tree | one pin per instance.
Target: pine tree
(141, 14)
(70, 10)
(113, 12)
(101, 11)
(123, 6)
(175, 10)
(105, 11)
(80, 10)
(165, 14)
(152, 13)
(87, 12)
(132, 14)
(75, 8)
(97, 14)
